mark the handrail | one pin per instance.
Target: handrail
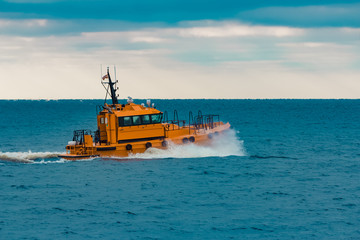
(191, 119)
(199, 122)
(176, 117)
(166, 117)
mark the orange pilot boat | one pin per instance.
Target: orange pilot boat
(125, 129)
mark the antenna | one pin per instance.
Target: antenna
(110, 87)
(115, 73)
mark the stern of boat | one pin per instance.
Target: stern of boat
(82, 146)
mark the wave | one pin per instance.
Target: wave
(28, 157)
(226, 144)
(266, 157)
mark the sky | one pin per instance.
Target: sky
(59, 49)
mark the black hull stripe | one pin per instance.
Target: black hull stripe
(77, 156)
(140, 139)
(105, 148)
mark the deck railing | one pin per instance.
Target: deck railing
(195, 124)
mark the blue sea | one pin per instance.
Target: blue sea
(289, 169)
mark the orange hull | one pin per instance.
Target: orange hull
(201, 137)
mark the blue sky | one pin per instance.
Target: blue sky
(236, 49)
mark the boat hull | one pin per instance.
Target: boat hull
(125, 149)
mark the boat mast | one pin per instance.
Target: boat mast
(112, 89)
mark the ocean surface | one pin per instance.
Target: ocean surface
(289, 169)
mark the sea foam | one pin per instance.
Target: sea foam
(27, 157)
(226, 144)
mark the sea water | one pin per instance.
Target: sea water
(288, 169)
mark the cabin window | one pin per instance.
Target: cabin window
(156, 118)
(136, 120)
(105, 120)
(102, 120)
(145, 119)
(121, 121)
(127, 121)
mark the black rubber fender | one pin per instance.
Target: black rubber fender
(192, 139)
(164, 143)
(148, 145)
(185, 140)
(129, 147)
(210, 136)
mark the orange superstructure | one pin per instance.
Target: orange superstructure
(131, 128)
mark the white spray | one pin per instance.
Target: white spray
(226, 144)
(27, 157)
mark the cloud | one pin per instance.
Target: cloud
(198, 29)
(148, 39)
(237, 30)
(29, 23)
(320, 56)
(28, 27)
(232, 59)
(344, 15)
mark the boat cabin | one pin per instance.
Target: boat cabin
(129, 123)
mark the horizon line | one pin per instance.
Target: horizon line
(57, 99)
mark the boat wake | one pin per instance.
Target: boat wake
(31, 157)
(223, 145)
